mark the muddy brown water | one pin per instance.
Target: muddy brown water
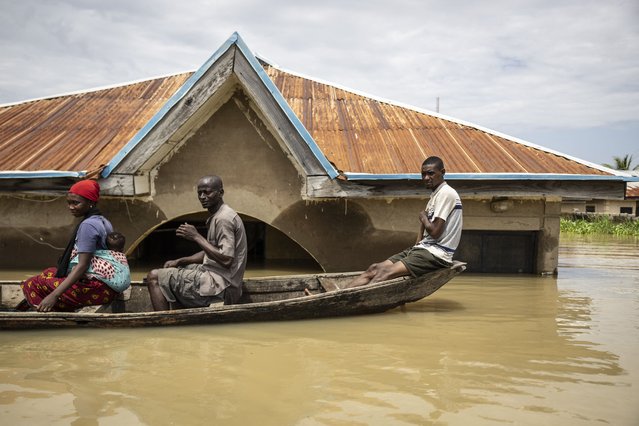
(485, 349)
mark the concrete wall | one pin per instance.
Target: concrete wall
(261, 182)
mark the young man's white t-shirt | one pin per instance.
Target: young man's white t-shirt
(444, 203)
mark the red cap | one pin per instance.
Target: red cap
(89, 189)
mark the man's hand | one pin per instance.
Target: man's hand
(434, 228)
(188, 232)
(171, 263)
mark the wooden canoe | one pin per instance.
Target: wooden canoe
(264, 299)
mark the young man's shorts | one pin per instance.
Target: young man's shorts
(419, 261)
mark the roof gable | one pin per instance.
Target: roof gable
(213, 83)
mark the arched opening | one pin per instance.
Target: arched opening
(270, 251)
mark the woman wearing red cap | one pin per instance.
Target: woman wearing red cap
(61, 289)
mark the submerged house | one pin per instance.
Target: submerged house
(318, 173)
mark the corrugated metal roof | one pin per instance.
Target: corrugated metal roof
(361, 134)
(80, 131)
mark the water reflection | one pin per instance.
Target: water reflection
(482, 350)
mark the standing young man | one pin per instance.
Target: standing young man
(439, 233)
(215, 273)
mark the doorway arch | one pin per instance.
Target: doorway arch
(270, 251)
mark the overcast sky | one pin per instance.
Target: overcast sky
(562, 74)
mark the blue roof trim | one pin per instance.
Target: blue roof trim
(295, 121)
(188, 84)
(494, 176)
(237, 40)
(41, 174)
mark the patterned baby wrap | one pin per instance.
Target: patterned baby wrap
(108, 266)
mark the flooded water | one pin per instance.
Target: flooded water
(483, 350)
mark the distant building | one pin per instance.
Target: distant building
(597, 206)
(319, 173)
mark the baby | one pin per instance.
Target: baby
(115, 241)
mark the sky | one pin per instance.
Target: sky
(561, 74)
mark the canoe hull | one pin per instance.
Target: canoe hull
(369, 299)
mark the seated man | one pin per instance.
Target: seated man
(439, 233)
(213, 274)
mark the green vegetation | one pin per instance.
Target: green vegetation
(622, 163)
(600, 225)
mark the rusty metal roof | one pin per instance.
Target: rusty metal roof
(357, 133)
(360, 134)
(81, 131)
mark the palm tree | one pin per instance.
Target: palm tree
(622, 163)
